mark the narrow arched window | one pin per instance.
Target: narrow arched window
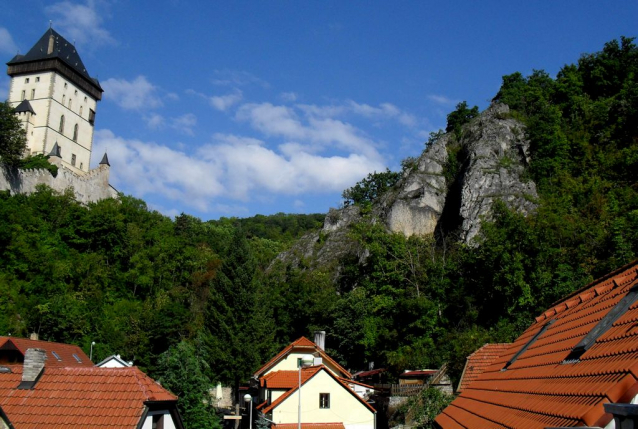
(62, 124)
(75, 133)
(81, 108)
(63, 99)
(70, 103)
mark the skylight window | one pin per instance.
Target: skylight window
(602, 326)
(57, 356)
(529, 343)
(77, 358)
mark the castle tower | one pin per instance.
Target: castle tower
(56, 99)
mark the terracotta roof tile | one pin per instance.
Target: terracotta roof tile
(65, 352)
(478, 361)
(79, 397)
(541, 388)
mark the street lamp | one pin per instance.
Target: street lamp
(91, 354)
(248, 399)
(306, 360)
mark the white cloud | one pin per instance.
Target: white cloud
(442, 100)
(81, 23)
(7, 45)
(230, 167)
(288, 96)
(237, 78)
(185, 123)
(223, 102)
(154, 121)
(132, 95)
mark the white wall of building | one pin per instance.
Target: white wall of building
(344, 405)
(52, 95)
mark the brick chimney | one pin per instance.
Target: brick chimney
(32, 367)
(320, 339)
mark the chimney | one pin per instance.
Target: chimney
(32, 367)
(33, 336)
(625, 415)
(320, 339)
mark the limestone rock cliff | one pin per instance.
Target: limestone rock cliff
(451, 188)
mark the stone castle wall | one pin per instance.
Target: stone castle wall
(90, 187)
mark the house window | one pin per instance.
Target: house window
(81, 166)
(81, 107)
(26, 80)
(324, 400)
(85, 99)
(75, 134)
(158, 421)
(33, 94)
(24, 94)
(73, 159)
(62, 124)
(91, 116)
(70, 103)
(64, 85)
(37, 79)
(76, 92)
(63, 99)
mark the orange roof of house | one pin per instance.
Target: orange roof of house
(309, 426)
(301, 343)
(542, 387)
(79, 397)
(286, 379)
(307, 374)
(64, 352)
(478, 361)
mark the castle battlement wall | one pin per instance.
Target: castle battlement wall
(91, 187)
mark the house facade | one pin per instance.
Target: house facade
(322, 390)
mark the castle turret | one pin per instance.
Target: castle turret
(56, 99)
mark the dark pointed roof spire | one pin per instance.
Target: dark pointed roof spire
(56, 151)
(24, 107)
(105, 160)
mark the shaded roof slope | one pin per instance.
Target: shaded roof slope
(540, 388)
(79, 398)
(62, 49)
(64, 352)
(301, 344)
(478, 361)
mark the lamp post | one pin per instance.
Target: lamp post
(91, 354)
(306, 360)
(248, 399)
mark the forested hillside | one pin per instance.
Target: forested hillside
(207, 296)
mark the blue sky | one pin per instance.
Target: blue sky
(237, 108)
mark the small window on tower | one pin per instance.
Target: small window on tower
(85, 99)
(70, 103)
(81, 107)
(91, 116)
(37, 79)
(76, 92)
(33, 94)
(81, 166)
(24, 94)
(26, 80)
(62, 124)
(75, 134)
(63, 99)
(73, 159)
(64, 85)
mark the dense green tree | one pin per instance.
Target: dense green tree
(13, 139)
(370, 188)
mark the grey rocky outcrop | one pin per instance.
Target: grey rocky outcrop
(491, 157)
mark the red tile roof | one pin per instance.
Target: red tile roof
(540, 388)
(307, 374)
(287, 379)
(79, 397)
(478, 361)
(309, 426)
(302, 343)
(64, 352)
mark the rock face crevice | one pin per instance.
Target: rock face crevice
(451, 189)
